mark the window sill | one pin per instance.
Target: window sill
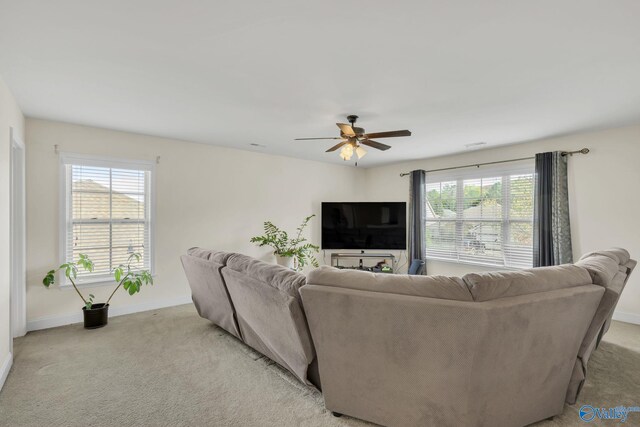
(476, 264)
(94, 283)
(90, 283)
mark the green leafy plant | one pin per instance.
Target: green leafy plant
(131, 280)
(89, 302)
(298, 247)
(71, 272)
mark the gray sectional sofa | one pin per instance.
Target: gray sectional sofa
(491, 349)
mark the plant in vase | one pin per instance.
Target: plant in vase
(293, 253)
(96, 315)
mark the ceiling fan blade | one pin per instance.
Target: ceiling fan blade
(338, 145)
(390, 134)
(309, 139)
(375, 144)
(346, 129)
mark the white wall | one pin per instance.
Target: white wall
(603, 187)
(218, 197)
(10, 117)
(206, 196)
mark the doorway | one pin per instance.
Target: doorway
(18, 239)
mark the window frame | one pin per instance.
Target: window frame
(504, 172)
(64, 192)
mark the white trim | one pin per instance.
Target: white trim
(4, 370)
(64, 196)
(18, 257)
(63, 214)
(92, 282)
(152, 219)
(489, 267)
(67, 319)
(106, 162)
(621, 316)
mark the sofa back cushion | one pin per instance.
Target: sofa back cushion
(601, 268)
(619, 255)
(501, 284)
(452, 288)
(276, 276)
(219, 257)
(269, 311)
(208, 290)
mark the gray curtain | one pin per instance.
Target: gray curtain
(551, 228)
(417, 216)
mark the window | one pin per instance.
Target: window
(106, 213)
(482, 216)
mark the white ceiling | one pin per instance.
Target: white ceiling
(234, 73)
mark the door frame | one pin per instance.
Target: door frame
(18, 288)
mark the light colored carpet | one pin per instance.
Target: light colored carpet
(171, 368)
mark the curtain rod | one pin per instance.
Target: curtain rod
(477, 165)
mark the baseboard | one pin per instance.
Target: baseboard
(54, 321)
(621, 316)
(4, 370)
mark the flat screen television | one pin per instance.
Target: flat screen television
(364, 225)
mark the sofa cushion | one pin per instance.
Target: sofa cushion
(219, 257)
(277, 276)
(442, 287)
(619, 255)
(493, 285)
(209, 292)
(269, 312)
(601, 268)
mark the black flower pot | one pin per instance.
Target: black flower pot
(96, 317)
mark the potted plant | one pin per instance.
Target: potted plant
(292, 253)
(96, 315)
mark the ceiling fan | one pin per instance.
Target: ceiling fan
(353, 138)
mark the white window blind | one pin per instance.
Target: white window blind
(107, 213)
(482, 216)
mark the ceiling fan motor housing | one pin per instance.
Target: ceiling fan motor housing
(358, 131)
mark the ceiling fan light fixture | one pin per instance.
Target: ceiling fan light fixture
(360, 152)
(346, 152)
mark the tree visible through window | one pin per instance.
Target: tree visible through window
(108, 215)
(487, 220)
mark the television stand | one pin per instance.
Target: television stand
(338, 255)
